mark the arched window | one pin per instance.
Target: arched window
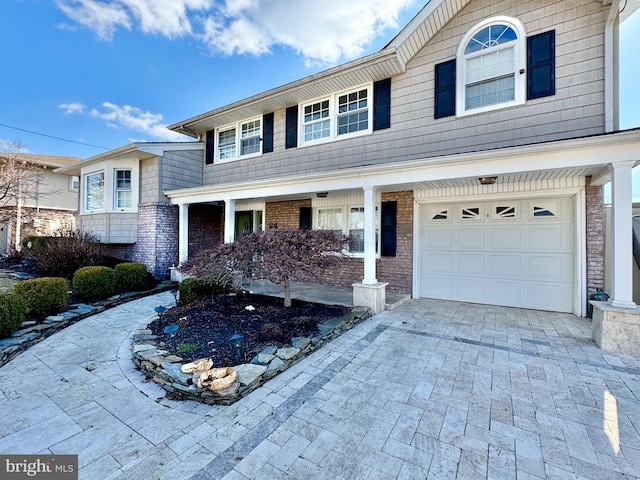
(491, 59)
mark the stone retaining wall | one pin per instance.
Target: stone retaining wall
(155, 360)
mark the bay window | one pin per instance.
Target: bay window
(94, 188)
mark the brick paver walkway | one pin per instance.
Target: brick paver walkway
(430, 390)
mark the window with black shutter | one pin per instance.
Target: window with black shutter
(389, 228)
(445, 94)
(541, 65)
(382, 104)
(209, 150)
(291, 120)
(267, 133)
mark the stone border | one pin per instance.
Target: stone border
(154, 359)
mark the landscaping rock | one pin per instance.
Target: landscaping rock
(147, 354)
(287, 353)
(263, 358)
(300, 342)
(249, 373)
(274, 367)
(172, 370)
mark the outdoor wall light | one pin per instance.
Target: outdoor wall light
(171, 331)
(160, 311)
(487, 180)
(322, 194)
(236, 342)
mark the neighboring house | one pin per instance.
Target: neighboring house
(121, 201)
(466, 159)
(42, 201)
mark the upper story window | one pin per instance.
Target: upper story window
(74, 183)
(231, 145)
(94, 191)
(491, 60)
(344, 114)
(122, 194)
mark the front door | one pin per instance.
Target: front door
(244, 223)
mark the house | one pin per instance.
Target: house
(35, 200)
(466, 158)
(122, 204)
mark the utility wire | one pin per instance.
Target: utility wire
(54, 137)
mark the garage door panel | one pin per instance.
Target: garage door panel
(525, 259)
(471, 264)
(505, 238)
(470, 289)
(470, 239)
(438, 263)
(550, 239)
(503, 293)
(550, 268)
(441, 238)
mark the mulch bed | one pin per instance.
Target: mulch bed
(208, 324)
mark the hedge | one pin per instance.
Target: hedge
(13, 309)
(44, 296)
(130, 276)
(94, 283)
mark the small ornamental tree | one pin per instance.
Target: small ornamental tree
(280, 256)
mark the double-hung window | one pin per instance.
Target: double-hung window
(122, 197)
(491, 58)
(338, 116)
(94, 188)
(239, 140)
(334, 219)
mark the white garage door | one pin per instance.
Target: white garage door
(513, 253)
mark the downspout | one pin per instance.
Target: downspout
(611, 67)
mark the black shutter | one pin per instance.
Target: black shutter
(445, 93)
(541, 65)
(305, 218)
(292, 127)
(209, 147)
(389, 228)
(267, 133)
(382, 104)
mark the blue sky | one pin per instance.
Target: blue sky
(105, 73)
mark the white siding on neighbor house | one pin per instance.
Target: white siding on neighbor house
(53, 192)
(576, 109)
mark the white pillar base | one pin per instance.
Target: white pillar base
(616, 329)
(371, 296)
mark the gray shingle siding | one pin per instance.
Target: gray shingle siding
(576, 109)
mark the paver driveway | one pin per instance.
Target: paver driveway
(432, 389)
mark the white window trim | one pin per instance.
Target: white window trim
(74, 179)
(346, 216)
(116, 190)
(85, 188)
(108, 169)
(520, 52)
(333, 117)
(238, 143)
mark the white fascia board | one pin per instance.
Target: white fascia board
(583, 152)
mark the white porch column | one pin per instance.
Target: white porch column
(229, 221)
(622, 236)
(369, 236)
(183, 232)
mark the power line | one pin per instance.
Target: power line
(54, 137)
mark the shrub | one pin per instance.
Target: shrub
(94, 283)
(66, 251)
(190, 289)
(130, 276)
(213, 270)
(44, 296)
(13, 309)
(33, 243)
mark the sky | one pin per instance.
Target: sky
(82, 77)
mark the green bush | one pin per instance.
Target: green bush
(94, 283)
(190, 289)
(12, 312)
(130, 276)
(43, 296)
(33, 243)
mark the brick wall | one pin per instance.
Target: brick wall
(394, 270)
(595, 233)
(206, 227)
(284, 214)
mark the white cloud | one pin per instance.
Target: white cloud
(72, 107)
(324, 31)
(129, 118)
